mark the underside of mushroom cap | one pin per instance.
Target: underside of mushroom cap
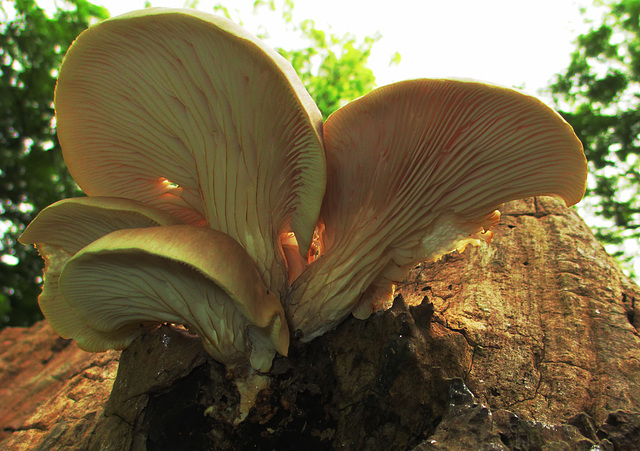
(183, 274)
(417, 169)
(189, 113)
(423, 146)
(63, 228)
(73, 223)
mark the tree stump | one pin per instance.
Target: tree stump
(529, 343)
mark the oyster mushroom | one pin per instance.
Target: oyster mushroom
(62, 229)
(211, 139)
(416, 170)
(181, 274)
(113, 265)
(189, 113)
(196, 119)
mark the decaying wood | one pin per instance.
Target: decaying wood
(529, 342)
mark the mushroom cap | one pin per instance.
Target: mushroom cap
(181, 274)
(417, 169)
(73, 223)
(189, 113)
(431, 146)
(63, 228)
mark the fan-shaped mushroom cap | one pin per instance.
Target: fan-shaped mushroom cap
(416, 170)
(189, 113)
(62, 229)
(182, 274)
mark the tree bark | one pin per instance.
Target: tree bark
(530, 342)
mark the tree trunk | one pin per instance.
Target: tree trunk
(528, 343)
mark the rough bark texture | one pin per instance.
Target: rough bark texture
(51, 392)
(529, 343)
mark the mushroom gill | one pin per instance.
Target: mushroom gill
(178, 274)
(416, 170)
(189, 113)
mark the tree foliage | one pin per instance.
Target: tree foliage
(33, 174)
(333, 69)
(599, 95)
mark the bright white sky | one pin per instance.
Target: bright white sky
(509, 42)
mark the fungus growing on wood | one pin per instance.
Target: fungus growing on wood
(204, 159)
(416, 170)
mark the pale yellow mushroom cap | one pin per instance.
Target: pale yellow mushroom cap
(181, 274)
(63, 228)
(189, 113)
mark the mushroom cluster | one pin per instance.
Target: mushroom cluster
(218, 200)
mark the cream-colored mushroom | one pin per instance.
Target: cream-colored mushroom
(416, 170)
(62, 229)
(180, 274)
(189, 113)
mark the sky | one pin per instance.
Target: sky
(514, 43)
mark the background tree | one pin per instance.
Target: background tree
(599, 94)
(33, 174)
